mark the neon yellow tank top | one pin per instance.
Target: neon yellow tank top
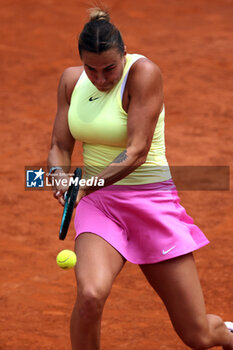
(98, 120)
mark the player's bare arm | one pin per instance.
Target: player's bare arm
(62, 143)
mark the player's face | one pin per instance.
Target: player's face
(105, 69)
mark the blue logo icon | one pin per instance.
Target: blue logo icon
(35, 178)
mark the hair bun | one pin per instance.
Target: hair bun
(97, 14)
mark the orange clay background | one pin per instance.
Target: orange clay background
(191, 41)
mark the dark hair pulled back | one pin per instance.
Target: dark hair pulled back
(99, 34)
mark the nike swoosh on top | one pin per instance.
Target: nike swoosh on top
(167, 251)
(93, 98)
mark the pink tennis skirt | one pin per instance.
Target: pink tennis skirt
(145, 223)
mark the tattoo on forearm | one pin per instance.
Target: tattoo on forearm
(121, 157)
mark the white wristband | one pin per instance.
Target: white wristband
(53, 169)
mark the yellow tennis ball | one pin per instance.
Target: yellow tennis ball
(66, 259)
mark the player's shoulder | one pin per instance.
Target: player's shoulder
(144, 66)
(144, 72)
(71, 74)
(69, 79)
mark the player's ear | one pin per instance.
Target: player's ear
(125, 50)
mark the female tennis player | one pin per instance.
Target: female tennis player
(113, 104)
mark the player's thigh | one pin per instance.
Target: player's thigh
(177, 283)
(98, 263)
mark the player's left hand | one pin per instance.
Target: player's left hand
(59, 195)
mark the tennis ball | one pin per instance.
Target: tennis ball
(66, 259)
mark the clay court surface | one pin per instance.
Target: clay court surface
(191, 41)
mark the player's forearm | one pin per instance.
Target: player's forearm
(60, 158)
(59, 162)
(124, 164)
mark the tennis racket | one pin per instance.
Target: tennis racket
(70, 199)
